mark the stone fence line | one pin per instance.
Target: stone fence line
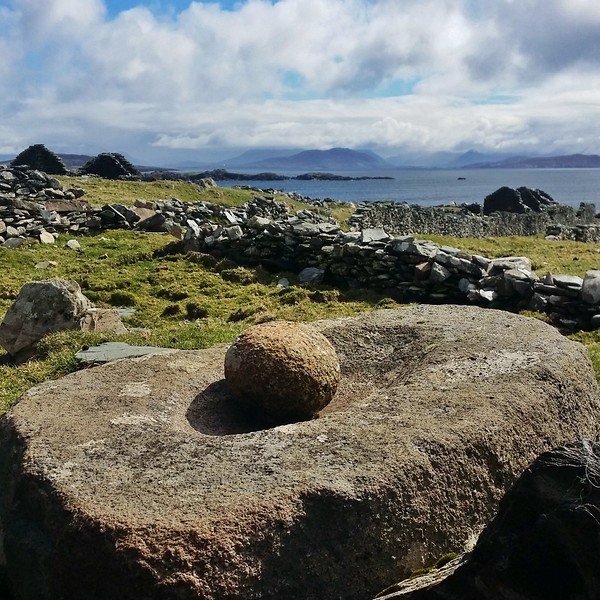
(265, 232)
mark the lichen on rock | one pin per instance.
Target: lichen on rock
(282, 370)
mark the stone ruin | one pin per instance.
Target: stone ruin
(264, 231)
(110, 165)
(38, 157)
(143, 478)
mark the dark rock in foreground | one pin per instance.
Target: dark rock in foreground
(141, 479)
(544, 543)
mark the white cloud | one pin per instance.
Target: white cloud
(302, 73)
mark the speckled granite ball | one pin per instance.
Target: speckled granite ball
(282, 370)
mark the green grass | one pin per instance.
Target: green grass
(565, 257)
(197, 301)
(100, 191)
(185, 302)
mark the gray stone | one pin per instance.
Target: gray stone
(145, 466)
(258, 222)
(234, 233)
(374, 235)
(498, 265)
(311, 275)
(41, 307)
(465, 285)
(109, 351)
(46, 264)
(438, 273)
(538, 302)
(14, 242)
(11, 232)
(568, 281)
(46, 237)
(73, 245)
(590, 291)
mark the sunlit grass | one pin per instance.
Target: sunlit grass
(197, 301)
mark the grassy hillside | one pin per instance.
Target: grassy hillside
(197, 301)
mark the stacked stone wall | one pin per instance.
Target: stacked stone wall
(408, 219)
(266, 232)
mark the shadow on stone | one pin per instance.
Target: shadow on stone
(215, 412)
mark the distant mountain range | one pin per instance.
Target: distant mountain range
(348, 160)
(336, 159)
(345, 159)
(569, 161)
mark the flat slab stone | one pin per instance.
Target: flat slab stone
(109, 351)
(142, 479)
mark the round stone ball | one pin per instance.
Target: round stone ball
(282, 371)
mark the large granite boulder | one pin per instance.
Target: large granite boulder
(40, 308)
(282, 371)
(140, 478)
(544, 543)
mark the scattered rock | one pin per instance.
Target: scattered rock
(46, 264)
(311, 275)
(13, 242)
(109, 351)
(41, 307)
(283, 371)
(590, 291)
(73, 245)
(102, 320)
(46, 238)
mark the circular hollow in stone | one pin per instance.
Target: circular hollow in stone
(282, 370)
(109, 481)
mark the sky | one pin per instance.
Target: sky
(171, 80)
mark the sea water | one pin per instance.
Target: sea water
(431, 187)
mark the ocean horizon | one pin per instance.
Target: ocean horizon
(431, 187)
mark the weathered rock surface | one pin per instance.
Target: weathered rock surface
(41, 308)
(138, 479)
(109, 351)
(544, 543)
(282, 371)
(518, 200)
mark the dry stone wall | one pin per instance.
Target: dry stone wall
(468, 221)
(405, 267)
(265, 232)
